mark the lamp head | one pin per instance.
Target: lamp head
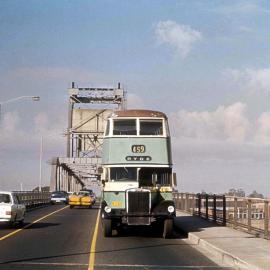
(35, 98)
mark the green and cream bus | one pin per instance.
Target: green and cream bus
(137, 171)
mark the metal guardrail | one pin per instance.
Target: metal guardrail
(32, 199)
(248, 214)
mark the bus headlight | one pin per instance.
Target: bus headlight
(170, 209)
(107, 209)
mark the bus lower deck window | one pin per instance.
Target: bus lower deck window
(124, 174)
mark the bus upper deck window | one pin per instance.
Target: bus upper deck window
(124, 127)
(151, 127)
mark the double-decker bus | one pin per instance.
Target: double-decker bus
(137, 171)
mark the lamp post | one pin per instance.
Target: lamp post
(40, 162)
(34, 98)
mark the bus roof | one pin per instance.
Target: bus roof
(139, 113)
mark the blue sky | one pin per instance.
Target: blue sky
(204, 63)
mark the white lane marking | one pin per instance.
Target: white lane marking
(126, 265)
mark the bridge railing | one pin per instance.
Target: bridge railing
(248, 214)
(32, 199)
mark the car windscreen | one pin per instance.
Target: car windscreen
(5, 198)
(84, 193)
(59, 194)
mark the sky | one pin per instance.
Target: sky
(204, 63)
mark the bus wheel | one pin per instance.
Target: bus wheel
(167, 228)
(107, 227)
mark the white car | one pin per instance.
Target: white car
(11, 211)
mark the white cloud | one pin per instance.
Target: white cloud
(15, 136)
(244, 29)
(180, 37)
(225, 123)
(9, 122)
(262, 135)
(220, 149)
(241, 7)
(20, 147)
(254, 80)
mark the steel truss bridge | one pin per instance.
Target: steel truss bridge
(88, 109)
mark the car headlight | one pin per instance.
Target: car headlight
(107, 209)
(170, 209)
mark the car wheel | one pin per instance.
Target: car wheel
(167, 228)
(21, 223)
(12, 222)
(107, 227)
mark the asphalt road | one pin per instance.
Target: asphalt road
(62, 238)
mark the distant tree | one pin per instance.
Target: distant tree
(236, 192)
(231, 192)
(43, 189)
(255, 194)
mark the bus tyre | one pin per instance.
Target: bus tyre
(71, 206)
(167, 228)
(107, 227)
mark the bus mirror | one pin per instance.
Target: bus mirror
(154, 179)
(174, 182)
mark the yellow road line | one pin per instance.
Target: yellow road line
(93, 245)
(29, 225)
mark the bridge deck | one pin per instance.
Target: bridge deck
(62, 237)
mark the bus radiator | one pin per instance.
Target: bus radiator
(138, 207)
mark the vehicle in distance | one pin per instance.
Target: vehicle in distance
(81, 198)
(11, 211)
(59, 197)
(92, 194)
(137, 172)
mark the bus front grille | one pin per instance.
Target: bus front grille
(138, 202)
(138, 207)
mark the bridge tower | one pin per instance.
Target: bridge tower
(88, 109)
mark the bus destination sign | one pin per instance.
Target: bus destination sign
(138, 158)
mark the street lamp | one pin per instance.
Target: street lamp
(34, 98)
(40, 163)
